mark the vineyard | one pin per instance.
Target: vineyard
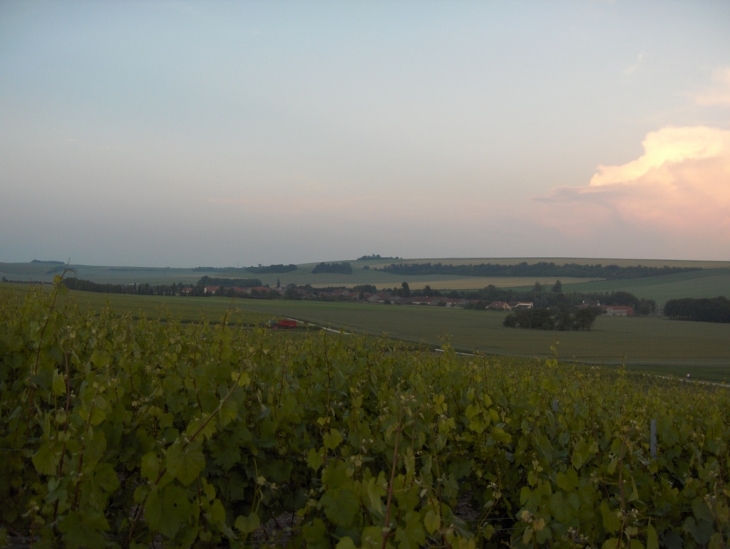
(148, 433)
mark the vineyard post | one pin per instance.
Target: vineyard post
(386, 527)
(652, 438)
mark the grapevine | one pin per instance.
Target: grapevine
(125, 432)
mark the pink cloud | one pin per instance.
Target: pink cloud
(680, 184)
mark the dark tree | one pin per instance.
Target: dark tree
(716, 309)
(551, 319)
(405, 290)
(584, 318)
(340, 268)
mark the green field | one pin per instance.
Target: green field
(302, 276)
(636, 341)
(714, 280)
(655, 344)
(705, 283)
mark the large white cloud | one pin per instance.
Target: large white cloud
(680, 184)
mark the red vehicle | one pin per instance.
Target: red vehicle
(284, 323)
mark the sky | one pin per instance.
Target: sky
(175, 133)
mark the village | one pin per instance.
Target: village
(395, 296)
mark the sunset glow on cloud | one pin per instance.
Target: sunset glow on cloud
(681, 183)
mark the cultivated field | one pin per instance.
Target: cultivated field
(647, 341)
(708, 283)
(557, 261)
(705, 283)
(655, 344)
(300, 277)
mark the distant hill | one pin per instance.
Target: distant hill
(542, 268)
(696, 279)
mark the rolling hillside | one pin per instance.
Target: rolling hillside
(711, 281)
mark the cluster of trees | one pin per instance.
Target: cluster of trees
(58, 267)
(553, 297)
(716, 309)
(73, 283)
(219, 269)
(405, 291)
(223, 291)
(339, 268)
(28, 281)
(229, 282)
(293, 291)
(226, 286)
(367, 288)
(267, 269)
(553, 319)
(537, 269)
(375, 256)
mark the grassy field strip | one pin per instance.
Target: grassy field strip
(709, 283)
(720, 375)
(650, 342)
(723, 384)
(300, 277)
(726, 385)
(556, 260)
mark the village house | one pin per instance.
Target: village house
(381, 297)
(617, 310)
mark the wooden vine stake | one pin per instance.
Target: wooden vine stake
(652, 438)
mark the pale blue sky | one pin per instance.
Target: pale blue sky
(224, 133)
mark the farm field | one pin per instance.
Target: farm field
(702, 284)
(183, 308)
(706, 283)
(654, 344)
(558, 261)
(613, 340)
(302, 276)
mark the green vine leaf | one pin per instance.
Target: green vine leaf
(185, 463)
(167, 509)
(248, 524)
